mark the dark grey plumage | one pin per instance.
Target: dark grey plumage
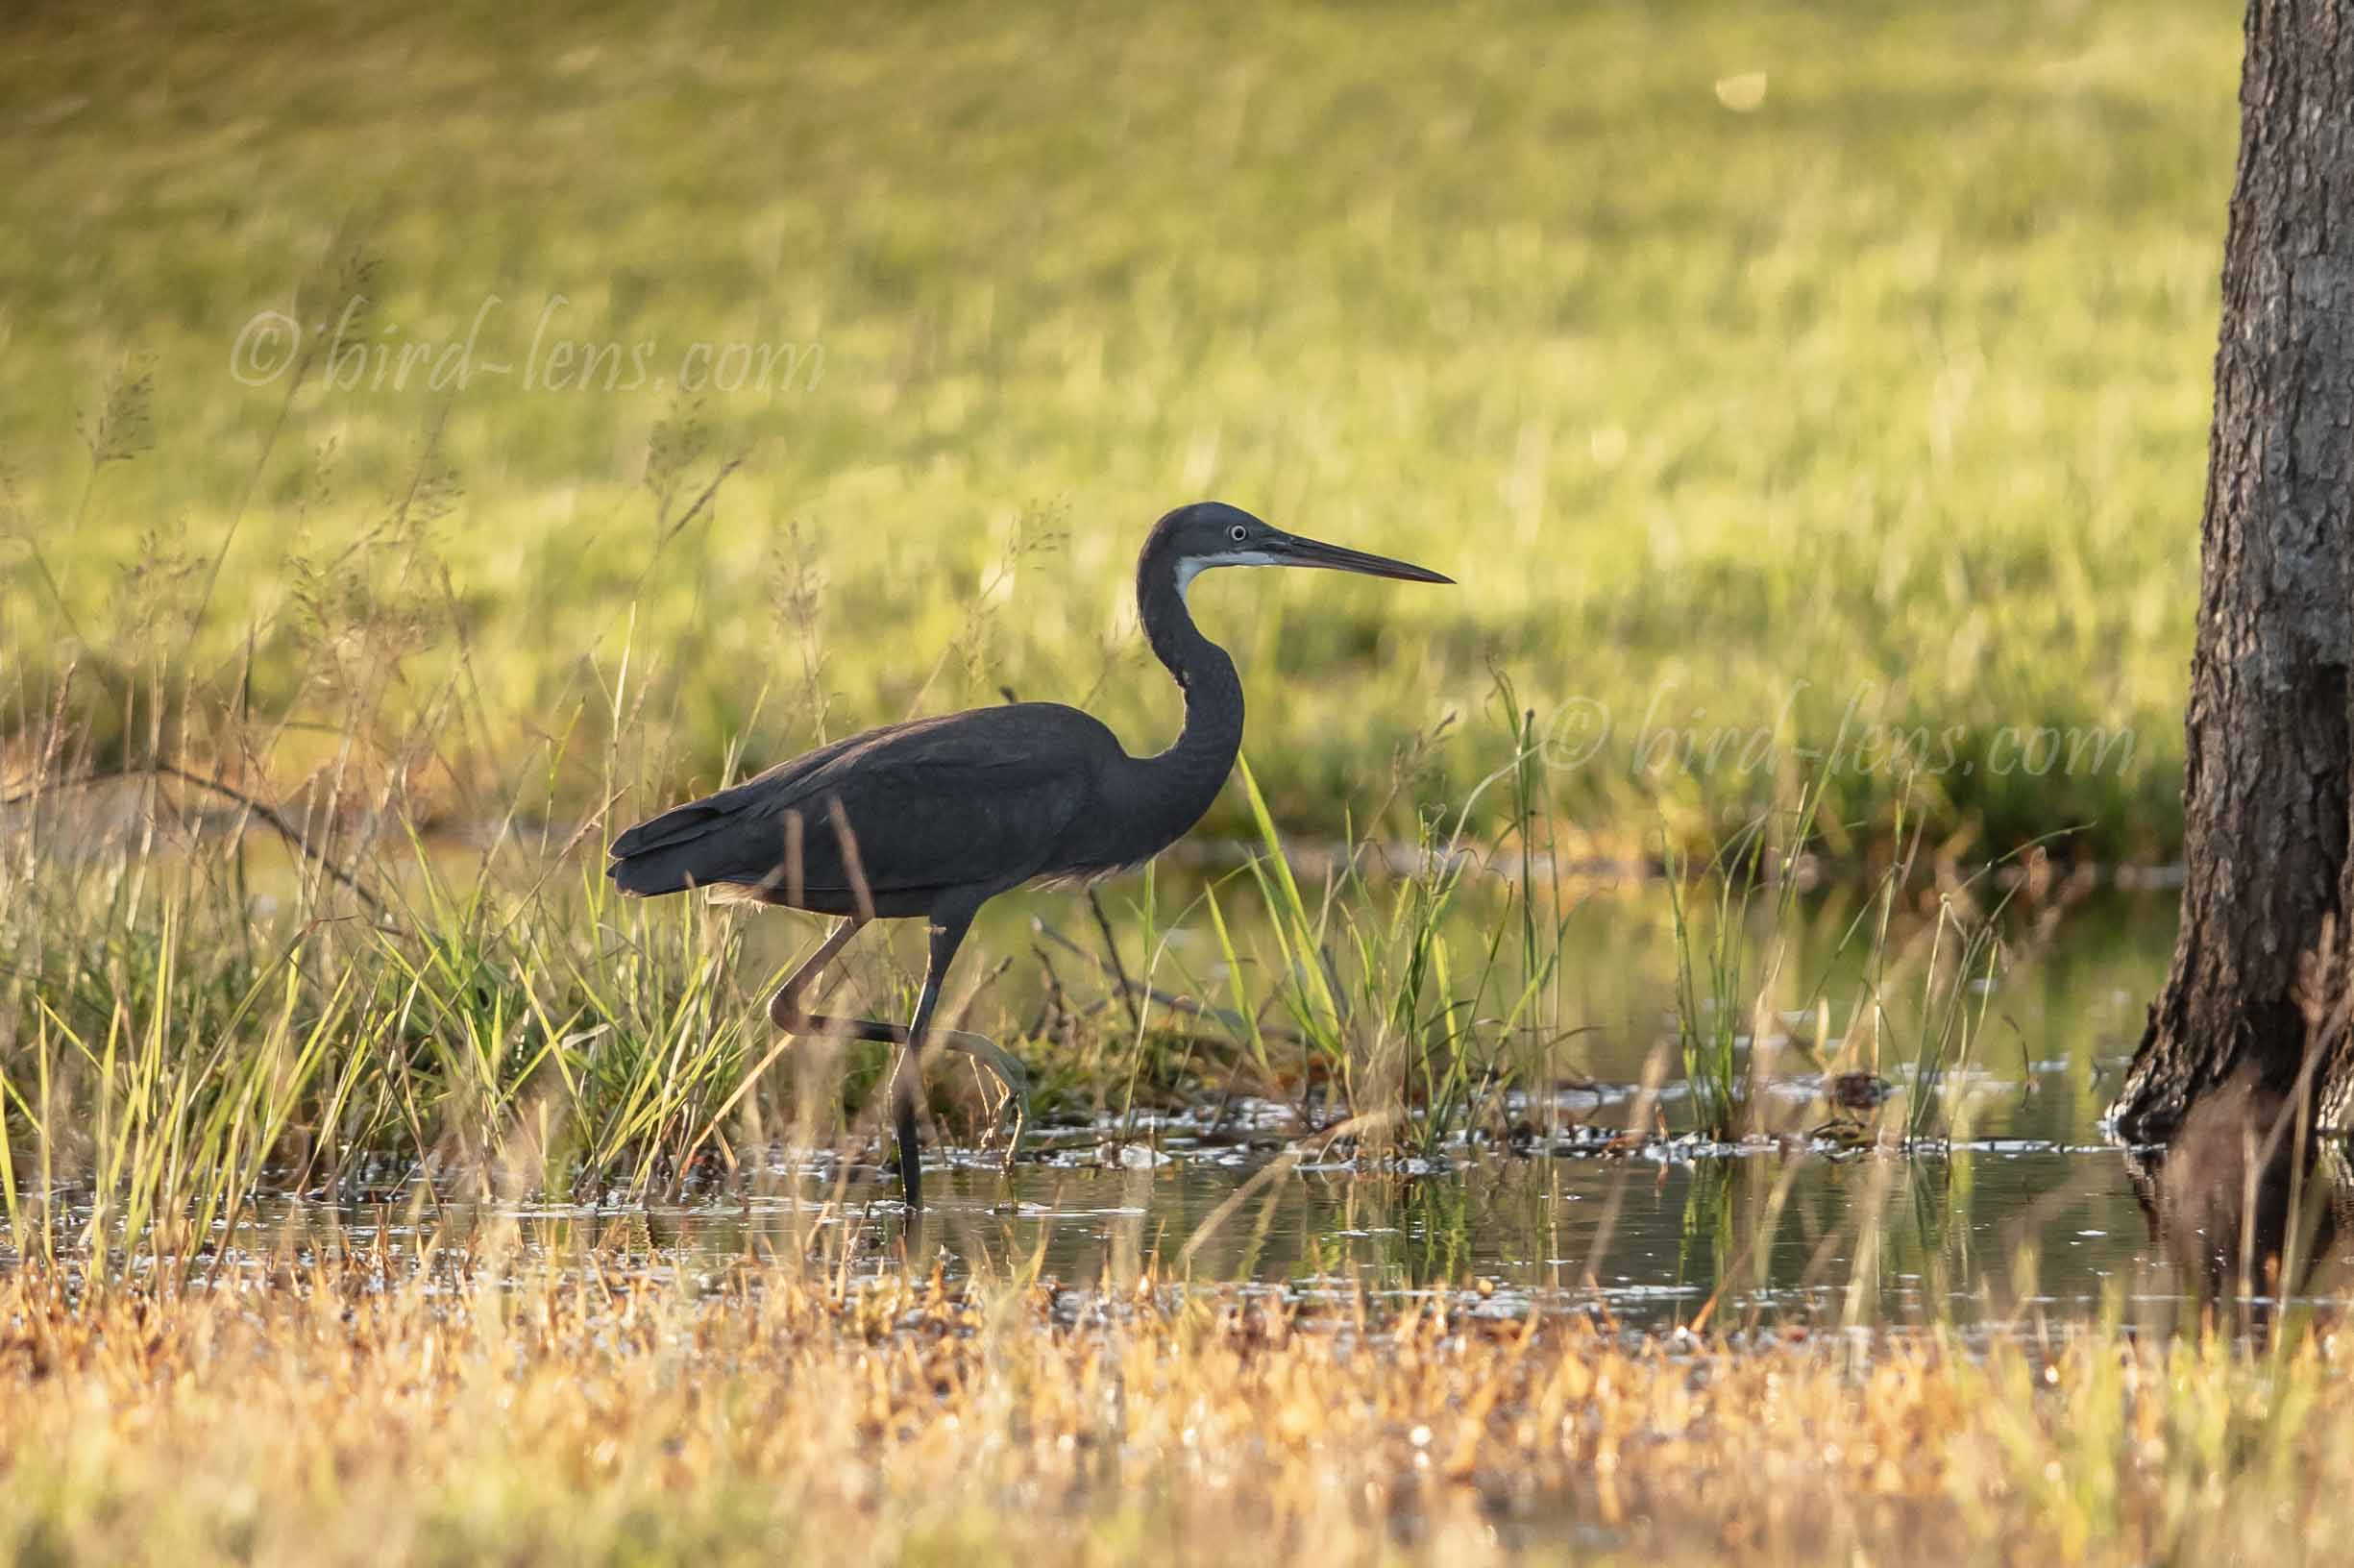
(986, 797)
(934, 817)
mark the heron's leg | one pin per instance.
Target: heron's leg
(1010, 1075)
(948, 928)
(786, 1012)
(785, 1006)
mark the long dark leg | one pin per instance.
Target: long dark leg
(785, 1010)
(785, 1006)
(907, 1079)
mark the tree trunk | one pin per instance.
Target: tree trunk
(2270, 749)
(2239, 1202)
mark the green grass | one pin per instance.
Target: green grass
(1890, 393)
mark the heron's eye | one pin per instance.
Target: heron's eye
(1238, 533)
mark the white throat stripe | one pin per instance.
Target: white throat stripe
(1189, 566)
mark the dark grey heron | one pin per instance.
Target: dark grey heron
(934, 817)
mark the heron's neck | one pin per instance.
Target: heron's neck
(1183, 780)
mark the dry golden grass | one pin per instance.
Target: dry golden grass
(439, 1407)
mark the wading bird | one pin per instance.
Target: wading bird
(934, 818)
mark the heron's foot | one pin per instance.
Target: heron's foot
(1014, 1107)
(1013, 1116)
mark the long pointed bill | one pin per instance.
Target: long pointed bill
(1291, 550)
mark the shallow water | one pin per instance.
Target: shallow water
(2016, 1204)
(1972, 1233)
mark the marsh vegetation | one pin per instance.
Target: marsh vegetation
(1617, 1076)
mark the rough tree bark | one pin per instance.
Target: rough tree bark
(2271, 714)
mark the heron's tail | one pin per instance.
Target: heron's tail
(674, 852)
(653, 872)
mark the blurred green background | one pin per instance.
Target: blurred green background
(1759, 370)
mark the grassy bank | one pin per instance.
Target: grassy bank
(359, 1402)
(1794, 389)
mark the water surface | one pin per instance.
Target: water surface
(2007, 1201)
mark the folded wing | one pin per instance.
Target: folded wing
(977, 800)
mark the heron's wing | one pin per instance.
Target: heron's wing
(937, 821)
(978, 798)
(731, 836)
(714, 813)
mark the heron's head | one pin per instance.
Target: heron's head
(1193, 539)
